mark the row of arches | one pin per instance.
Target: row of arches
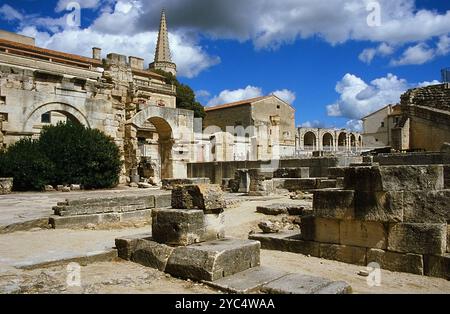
(310, 140)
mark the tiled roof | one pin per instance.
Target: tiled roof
(237, 103)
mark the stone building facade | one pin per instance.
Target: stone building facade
(331, 141)
(420, 122)
(261, 128)
(116, 95)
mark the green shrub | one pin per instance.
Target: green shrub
(25, 162)
(81, 155)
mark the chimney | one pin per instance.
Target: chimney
(97, 53)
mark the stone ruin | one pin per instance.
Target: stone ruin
(6, 185)
(188, 241)
(396, 216)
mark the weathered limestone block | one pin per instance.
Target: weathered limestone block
(294, 185)
(301, 172)
(214, 227)
(343, 253)
(437, 266)
(304, 284)
(206, 197)
(213, 260)
(420, 238)
(269, 227)
(6, 185)
(363, 234)
(177, 226)
(151, 254)
(326, 184)
(336, 172)
(406, 263)
(287, 241)
(320, 229)
(169, 184)
(336, 204)
(261, 187)
(283, 209)
(127, 245)
(163, 200)
(426, 206)
(379, 206)
(394, 178)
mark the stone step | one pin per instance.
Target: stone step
(247, 281)
(304, 284)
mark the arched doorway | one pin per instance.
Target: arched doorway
(342, 141)
(353, 142)
(327, 141)
(309, 141)
(155, 143)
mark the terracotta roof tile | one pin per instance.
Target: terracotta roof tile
(237, 103)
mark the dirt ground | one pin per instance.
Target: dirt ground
(126, 277)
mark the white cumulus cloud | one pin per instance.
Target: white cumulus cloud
(228, 96)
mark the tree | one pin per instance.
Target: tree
(185, 95)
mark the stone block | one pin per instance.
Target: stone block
(426, 206)
(261, 187)
(336, 204)
(206, 197)
(6, 185)
(293, 185)
(151, 254)
(340, 183)
(437, 266)
(283, 209)
(287, 241)
(379, 206)
(213, 260)
(163, 200)
(420, 238)
(406, 263)
(394, 178)
(127, 245)
(320, 229)
(446, 176)
(248, 281)
(305, 284)
(144, 216)
(169, 184)
(301, 172)
(243, 177)
(214, 227)
(336, 172)
(363, 233)
(343, 253)
(68, 222)
(177, 227)
(326, 184)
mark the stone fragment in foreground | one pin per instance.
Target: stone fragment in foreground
(213, 260)
(206, 197)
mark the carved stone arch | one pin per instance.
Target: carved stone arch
(34, 118)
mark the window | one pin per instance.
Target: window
(46, 118)
(278, 107)
(3, 116)
(382, 124)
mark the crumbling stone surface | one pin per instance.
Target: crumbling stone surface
(177, 226)
(6, 185)
(336, 204)
(418, 238)
(304, 284)
(394, 178)
(379, 206)
(426, 206)
(301, 172)
(408, 263)
(151, 254)
(206, 197)
(269, 227)
(169, 184)
(280, 209)
(213, 260)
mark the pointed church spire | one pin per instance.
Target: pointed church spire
(163, 58)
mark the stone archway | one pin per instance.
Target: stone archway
(310, 141)
(328, 142)
(342, 141)
(34, 118)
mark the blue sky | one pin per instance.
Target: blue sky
(323, 56)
